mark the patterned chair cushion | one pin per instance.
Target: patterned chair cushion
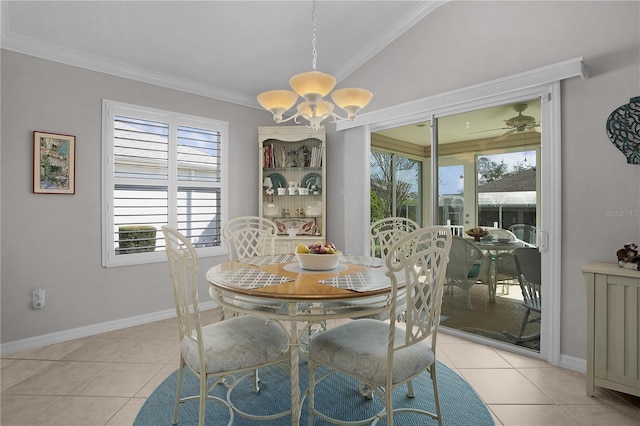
(360, 347)
(237, 343)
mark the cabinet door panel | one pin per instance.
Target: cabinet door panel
(617, 345)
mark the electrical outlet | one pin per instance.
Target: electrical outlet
(37, 300)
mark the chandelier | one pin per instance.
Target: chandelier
(313, 86)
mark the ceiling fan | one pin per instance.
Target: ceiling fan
(517, 124)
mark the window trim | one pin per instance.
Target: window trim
(110, 109)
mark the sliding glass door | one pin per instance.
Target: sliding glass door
(487, 162)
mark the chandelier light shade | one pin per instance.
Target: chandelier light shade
(278, 102)
(352, 100)
(313, 86)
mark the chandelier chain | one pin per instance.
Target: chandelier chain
(313, 37)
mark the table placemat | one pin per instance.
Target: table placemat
(249, 278)
(268, 260)
(366, 280)
(372, 262)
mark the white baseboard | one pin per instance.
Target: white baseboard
(90, 330)
(573, 363)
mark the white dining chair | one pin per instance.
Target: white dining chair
(394, 357)
(237, 346)
(249, 236)
(384, 232)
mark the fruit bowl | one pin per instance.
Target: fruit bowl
(318, 257)
(477, 233)
(318, 262)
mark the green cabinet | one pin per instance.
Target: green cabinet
(613, 327)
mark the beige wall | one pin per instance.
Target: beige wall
(54, 241)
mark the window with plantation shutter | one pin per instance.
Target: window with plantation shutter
(160, 168)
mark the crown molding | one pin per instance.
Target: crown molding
(387, 37)
(74, 58)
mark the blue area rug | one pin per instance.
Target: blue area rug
(461, 405)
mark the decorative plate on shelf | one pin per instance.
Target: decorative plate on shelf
(304, 225)
(310, 180)
(278, 180)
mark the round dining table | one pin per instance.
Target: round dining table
(277, 288)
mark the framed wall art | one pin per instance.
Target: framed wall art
(54, 163)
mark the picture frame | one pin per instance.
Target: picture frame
(54, 163)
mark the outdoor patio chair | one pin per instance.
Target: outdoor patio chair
(468, 266)
(528, 266)
(527, 233)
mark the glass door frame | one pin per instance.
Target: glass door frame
(542, 82)
(548, 218)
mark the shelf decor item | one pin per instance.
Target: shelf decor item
(623, 128)
(628, 257)
(54, 163)
(269, 191)
(303, 225)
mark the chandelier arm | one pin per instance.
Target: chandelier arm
(335, 117)
(293, 117)
(297, 121)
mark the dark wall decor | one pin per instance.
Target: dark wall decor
(623, 128)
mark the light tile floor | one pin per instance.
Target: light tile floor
(105, 379)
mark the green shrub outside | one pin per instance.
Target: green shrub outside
(136, 239)
(377, 207)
